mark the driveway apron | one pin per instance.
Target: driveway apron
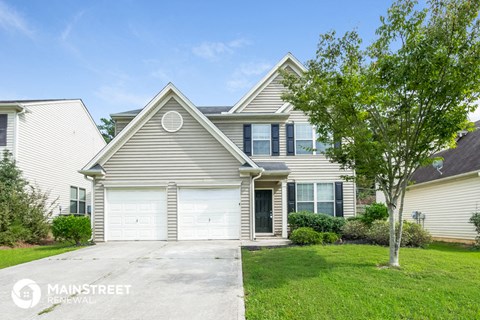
(129, 280)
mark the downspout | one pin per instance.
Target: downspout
(252, 202)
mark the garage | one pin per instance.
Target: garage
(208, 213)
(136, 214)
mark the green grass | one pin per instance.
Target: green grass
(345, 282)
(11, 257)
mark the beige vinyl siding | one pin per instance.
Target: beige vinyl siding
(303, 167)
(172, 205)
(245, 208)
(11, 123)
(190, 155)
(447, 205)
(55, 140)
(269, 99)
(98, 209)
(120, 124)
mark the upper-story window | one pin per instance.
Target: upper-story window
(78, 200)
(306, 140)
(261, 139)
(3, 129)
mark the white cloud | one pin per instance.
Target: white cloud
(213, 50)
(120, 95)
(66, 32)
(242, 76)
(11, 20)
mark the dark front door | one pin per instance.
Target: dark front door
(263, 211)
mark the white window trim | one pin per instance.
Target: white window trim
(269, 140)
(314, 140)
(315, 195)
(78, 200)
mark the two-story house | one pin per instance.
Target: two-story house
(50, 140)
(175, 171)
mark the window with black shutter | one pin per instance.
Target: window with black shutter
(3, 129)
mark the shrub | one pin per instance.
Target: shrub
(305, 236)
(475, 220)
(354, 230)
(72, 228)
(373, 212)
(379, 233)
(329, 237)
(413, 235)
(319, 222)
(24, 211)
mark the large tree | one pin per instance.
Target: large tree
(399, 100)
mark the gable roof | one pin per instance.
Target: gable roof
(288, 60)
(146, 113)
(463, 159)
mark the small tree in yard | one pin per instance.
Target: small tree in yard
(24, 209)
(399, 100)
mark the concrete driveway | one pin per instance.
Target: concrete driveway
(130, 280)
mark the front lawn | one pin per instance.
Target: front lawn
(11, 257)
(346, 282)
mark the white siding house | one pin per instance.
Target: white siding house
(50, 140)
(220, 172)
(448, 197)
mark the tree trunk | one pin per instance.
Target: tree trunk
(394, 262)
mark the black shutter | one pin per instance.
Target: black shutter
(275, 140)
(291, 197)
(3, 129)
(290, 139)
(339, 199)
(247, 139)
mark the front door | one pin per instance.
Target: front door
(263, 211)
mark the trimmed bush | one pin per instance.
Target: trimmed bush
(354, 230)
(379, 233)
(329, 237)
(413, 235)
(319, 222)
(71, 228)
(14, 234)
(306, 236)
(373, 212)
(475, 220)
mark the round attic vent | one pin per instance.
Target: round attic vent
(172, 121)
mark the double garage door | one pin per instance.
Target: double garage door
(141, 214)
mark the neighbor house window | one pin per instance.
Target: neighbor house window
(78, 200)
(3, 129)
(306, 140)
(316, 197)
(261, 139)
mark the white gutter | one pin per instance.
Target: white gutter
(252, 203)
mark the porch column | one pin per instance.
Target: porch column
(284, 209)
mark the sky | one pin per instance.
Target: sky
(116, 55)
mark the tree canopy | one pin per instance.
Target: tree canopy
(399, 100)
(107, 129)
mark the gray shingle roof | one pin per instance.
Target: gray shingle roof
(464, 158)
(203, 109)
(32, 101)
(273, 166)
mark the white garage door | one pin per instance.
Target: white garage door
(136, 214)
(205, 214)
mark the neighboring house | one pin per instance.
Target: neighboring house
(50, 140)
(449, 198)
(178, 172)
